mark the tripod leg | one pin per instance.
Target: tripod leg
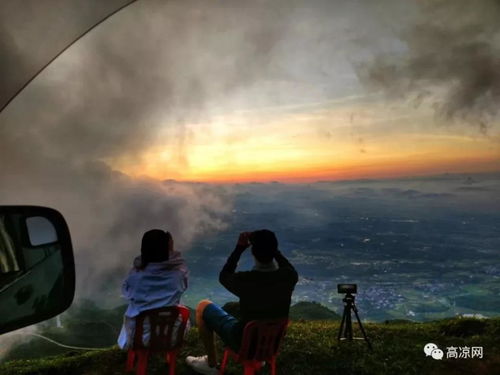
(362, 329)
(349, 325)
(341, 328)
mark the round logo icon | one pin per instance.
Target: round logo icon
(428, 348)
(437, 354)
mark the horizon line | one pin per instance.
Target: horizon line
(305, 181)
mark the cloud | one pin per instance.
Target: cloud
(136, 80)
(131, 83)
(474, 189)
(11, 340)
(449, 57)
(107, 213)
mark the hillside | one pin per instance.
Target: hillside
(87, 325)
(310, 347)
(312, 311)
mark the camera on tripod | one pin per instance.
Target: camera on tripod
(345, 330)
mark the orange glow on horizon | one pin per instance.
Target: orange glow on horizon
(324, 145)
(401, 168)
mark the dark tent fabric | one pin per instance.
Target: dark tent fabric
(34, 32)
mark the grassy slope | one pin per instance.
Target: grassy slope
(86, 325)
(311, 348)
(312, 311)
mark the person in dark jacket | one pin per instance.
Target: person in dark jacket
(264, 293)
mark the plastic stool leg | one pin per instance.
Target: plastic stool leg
(130, 360)
(172, 357)
(142, 363)
(224, 362)
(273, 366)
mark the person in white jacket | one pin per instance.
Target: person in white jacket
(158, 279)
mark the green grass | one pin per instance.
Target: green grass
(312, 311)
(311, 347)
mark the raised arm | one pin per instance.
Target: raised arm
(227, 276)
(283, 263)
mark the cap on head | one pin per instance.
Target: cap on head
(154, 247)
(264, 244)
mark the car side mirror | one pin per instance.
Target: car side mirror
(37, 269)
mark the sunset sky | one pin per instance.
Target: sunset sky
(358, 138)
(299, 91)
(309, 114)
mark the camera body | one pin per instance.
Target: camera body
(347, 288)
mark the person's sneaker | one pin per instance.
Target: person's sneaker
(200, 365)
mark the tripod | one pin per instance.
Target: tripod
(345, 330)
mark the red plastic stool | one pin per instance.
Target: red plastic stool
(162, 338)
(261, 341)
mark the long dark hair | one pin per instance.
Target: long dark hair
(154, 247)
